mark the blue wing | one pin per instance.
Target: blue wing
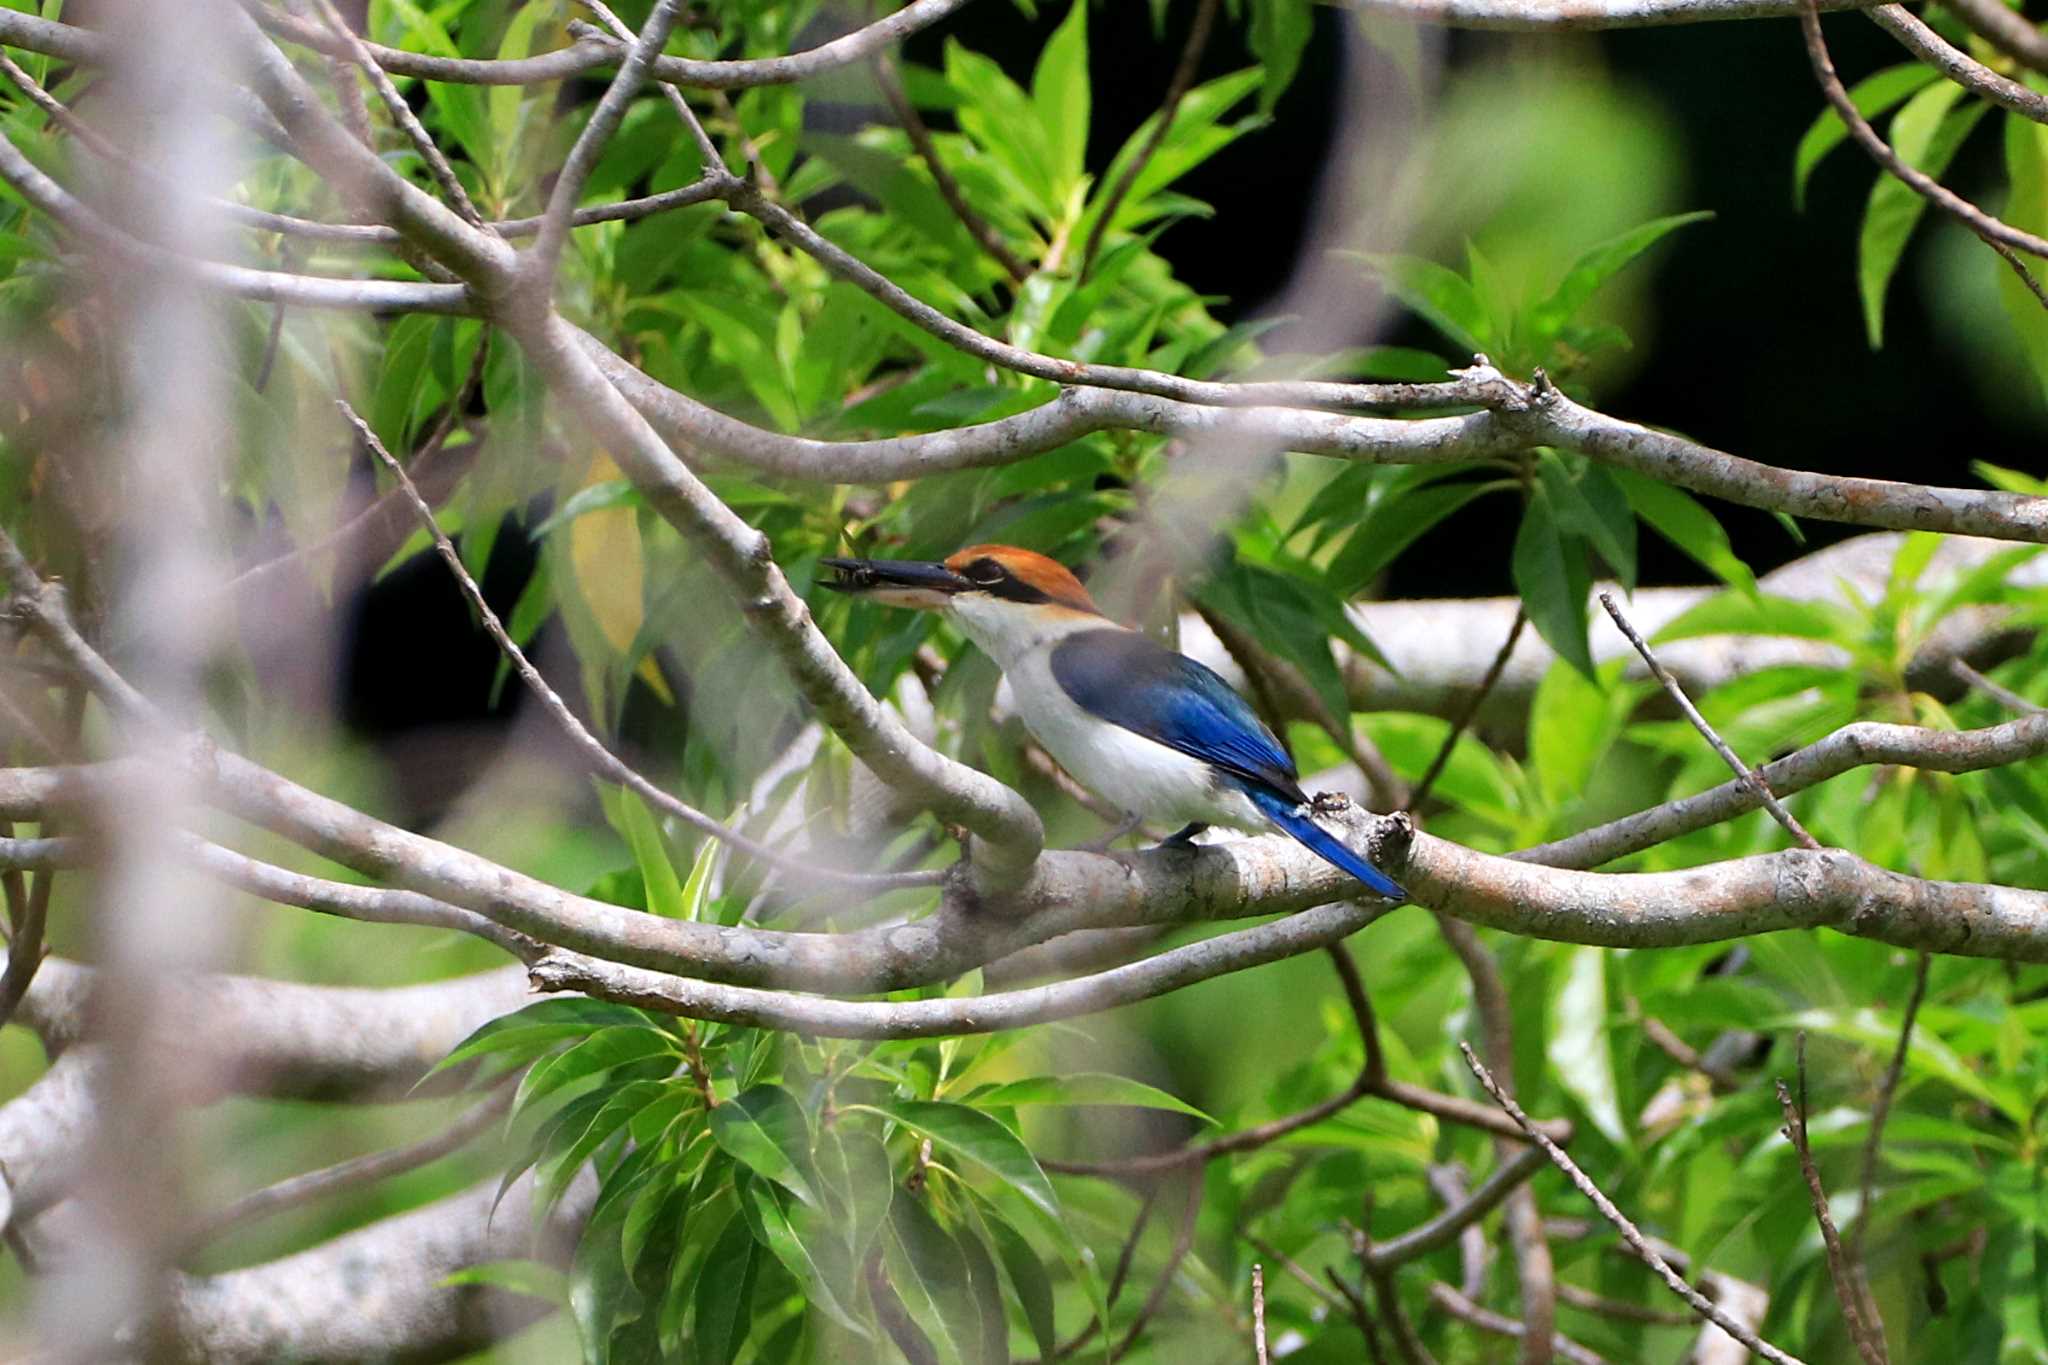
(1130, 680)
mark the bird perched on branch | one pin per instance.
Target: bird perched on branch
(1155, 733)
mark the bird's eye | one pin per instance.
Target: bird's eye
(985, 571)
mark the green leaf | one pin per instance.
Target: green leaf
(650, 852)
(604, 1050)
(1060, 94)
(1577, 1044)
(1004, 122)
(1872, 95)
(534, 1278)
(1926, 134)
(527, 1033)
(593, 498)
(1292, 617)
(769, 1217)
(1391, 525)
(1550, 573)
(1571, 724)
(1680, 519)
(1734, 613)
(1598, 266)
(980, 1141)
(1083, 1088)
(724, 1297)
(2026, 168)
(932, 1273)
(1590, 505)
(1439, 296)
(766, 1130)
(1280, 33)
(1028, 1282)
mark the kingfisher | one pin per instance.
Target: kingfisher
(1152, 731)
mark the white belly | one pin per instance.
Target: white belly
(1140, 776)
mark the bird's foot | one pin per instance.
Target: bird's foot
(1103, 844)
(1182, 838)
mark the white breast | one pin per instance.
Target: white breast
(1133, 773)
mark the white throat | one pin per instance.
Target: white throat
(1007, 631)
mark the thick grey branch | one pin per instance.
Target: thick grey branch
(377, 1293)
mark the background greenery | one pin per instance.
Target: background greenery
(1560, 218)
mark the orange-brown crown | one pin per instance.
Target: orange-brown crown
(1048, 578)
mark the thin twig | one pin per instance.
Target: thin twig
(1259, 1313)
(2000, 236)
(2004, 28)
(1699, 722)
(1447, 1181)
(1388, 1292)
(1469, 711)
(1535, 1268)
(1881, 1109)
(706, 148)
(1587, 1301)
(1294, 1268)
(1486, 1320)
(1176, 90)
(1372, 1080)
(1866, 1332)
(1183, 1240)
(1630, 1233)
(978, 227)
(1678, 1050)
(303, 1189)
(583, 156)
(1998, 692)
(401, 114)
(601, 758)
(26, 940)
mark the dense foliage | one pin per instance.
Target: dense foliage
(769, 1198)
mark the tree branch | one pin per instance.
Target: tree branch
(379, 1293)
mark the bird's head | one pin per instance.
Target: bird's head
(984, 579)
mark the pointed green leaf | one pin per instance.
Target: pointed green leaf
(1598, 266)
(1680, 519)
(724, 1298)
(1060, 93)
(1577, 1041)
(1083, 1088)
(1439, 296)
(1872, 95)
(602, 1051)
(1926, 134)
(1280, 33)
(1550, 573)
(766, 1130)
(980, 1141)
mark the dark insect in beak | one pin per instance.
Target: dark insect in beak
(895, 582)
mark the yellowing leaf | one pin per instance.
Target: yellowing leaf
(605, 552)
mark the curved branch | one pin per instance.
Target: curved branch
(593, 49)
(379, 1293)
(1952, 62)
(269, 286)
(1545, 16)
(1853, 746)
(2004, 28)
(814, 1016)
(259, 1037)
(1518, 417)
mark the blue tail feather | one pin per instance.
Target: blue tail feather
(1325, 845)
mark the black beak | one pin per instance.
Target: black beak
(899, 582)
